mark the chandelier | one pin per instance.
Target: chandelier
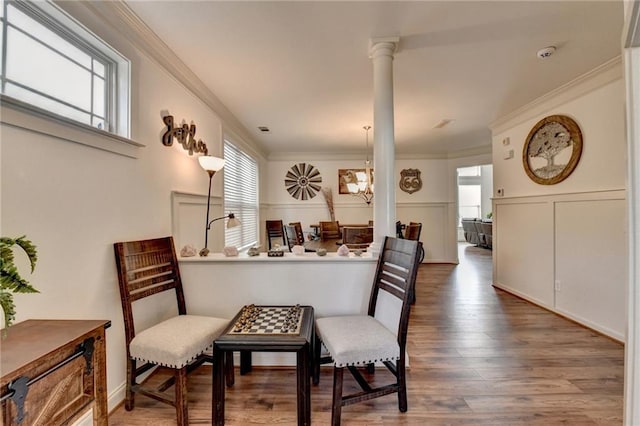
(363, 187)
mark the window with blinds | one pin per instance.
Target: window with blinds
(240, 196)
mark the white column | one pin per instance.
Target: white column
(384, 202)
(632, 344)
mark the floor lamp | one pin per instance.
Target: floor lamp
(211, 165)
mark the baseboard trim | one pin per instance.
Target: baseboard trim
(603, 331)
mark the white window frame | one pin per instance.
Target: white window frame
(116, 138)
(232, 184)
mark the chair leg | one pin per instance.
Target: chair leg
(338, 373)
(129, 401)
(182, 413)
(317, 345)
(230, 376)
(402, 386)
(371, 368)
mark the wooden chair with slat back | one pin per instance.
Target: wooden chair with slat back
(360, 340)
(145, 269)
(413, 230)
(295, 236)
(275, 229)
(299, 233)
(329, 230)
(292, 238)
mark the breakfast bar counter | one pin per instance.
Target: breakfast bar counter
(332, 284)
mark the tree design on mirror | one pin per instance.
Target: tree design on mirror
(302, 181)
(552, 149)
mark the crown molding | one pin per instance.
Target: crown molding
(124, 21)
(339, 156)
(585, 83)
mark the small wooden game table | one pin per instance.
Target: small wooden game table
(266, 329)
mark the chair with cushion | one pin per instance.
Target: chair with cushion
(487, 231)
(330, 230)
(275, 230)
(470, 232)
(146, 268)
(481, 237)
(360, 340)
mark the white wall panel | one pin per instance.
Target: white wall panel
(523, 249)
(591, 268)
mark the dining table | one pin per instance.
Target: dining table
(330, 244)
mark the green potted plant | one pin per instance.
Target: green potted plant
(10, 279)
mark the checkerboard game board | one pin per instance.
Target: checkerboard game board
(268, 320)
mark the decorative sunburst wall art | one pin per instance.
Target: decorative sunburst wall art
(302, 181)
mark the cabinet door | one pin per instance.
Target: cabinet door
(56, 398)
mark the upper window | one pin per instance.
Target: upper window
(51, 62)
(240, 196)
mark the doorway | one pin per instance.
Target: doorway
(475, 189)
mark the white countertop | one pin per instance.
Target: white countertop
(288, 257)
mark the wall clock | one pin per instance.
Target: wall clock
(302, 181)
(552, 149)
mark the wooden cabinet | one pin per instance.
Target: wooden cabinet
(53, 371)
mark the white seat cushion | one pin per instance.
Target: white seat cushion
(177, 341)
(357, 340)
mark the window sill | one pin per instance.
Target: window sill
(24, 116)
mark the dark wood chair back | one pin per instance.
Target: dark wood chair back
(292, 238)
(329, 230)
(413, 230)
(146, 268)
(396, 274)
(275, 229)
(357, 238)
(299, 233)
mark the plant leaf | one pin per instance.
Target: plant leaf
(29, 249)
(6, 302)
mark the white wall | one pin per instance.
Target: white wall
(564, 246)
(74, 201)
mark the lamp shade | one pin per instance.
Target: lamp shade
(233, 221)
(211, 163)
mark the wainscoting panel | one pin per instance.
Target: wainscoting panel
(566, 252)
(188, 217)
(591, 268)
(523, 249)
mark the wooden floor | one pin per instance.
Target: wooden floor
(478, 355)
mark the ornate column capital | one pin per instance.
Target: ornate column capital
(383, 46)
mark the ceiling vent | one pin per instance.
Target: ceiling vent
(264, 129)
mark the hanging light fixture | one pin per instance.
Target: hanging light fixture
(363, 188)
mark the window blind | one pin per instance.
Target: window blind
(240, 196)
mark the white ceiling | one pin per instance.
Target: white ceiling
(302, 68)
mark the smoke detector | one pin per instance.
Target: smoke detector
(545, 52)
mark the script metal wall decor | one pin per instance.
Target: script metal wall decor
(185, 135)
(302, 181)
(552, 149)
(410, 180)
